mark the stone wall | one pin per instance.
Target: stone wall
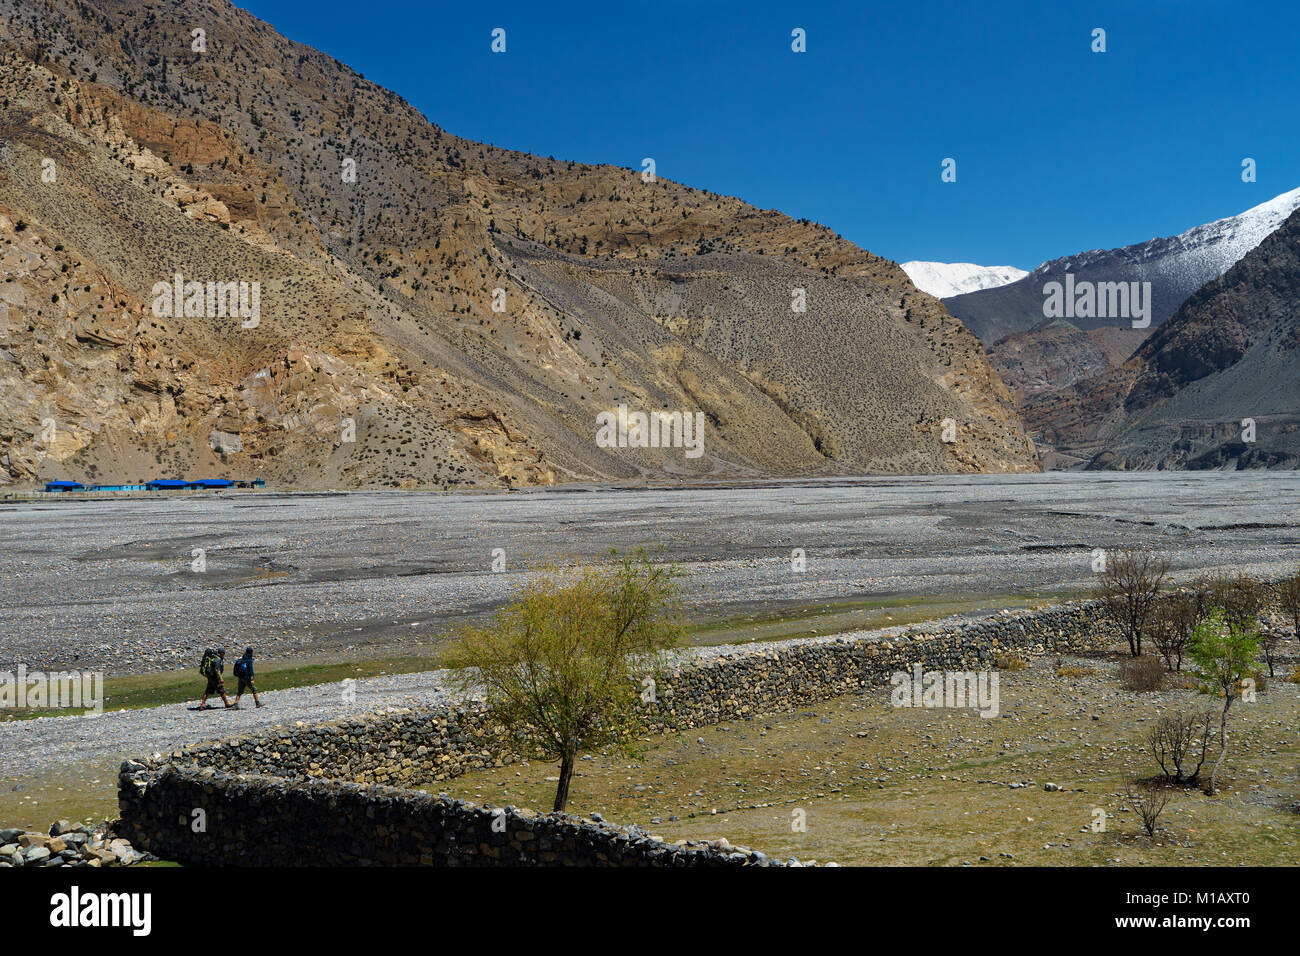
(251, 820)
(324, 792)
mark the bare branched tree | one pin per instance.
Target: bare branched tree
(1178, 740)
(1238, 596)
(1148, 800)
(1128, 590)
(1171, 626)
(1287, 594)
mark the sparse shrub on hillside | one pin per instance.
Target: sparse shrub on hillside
(1180, 744)
(1224, 653)
(561, 666)
(1148, 800)
(1128, 590)
(1145, 673)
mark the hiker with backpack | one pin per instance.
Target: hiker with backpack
(213, 663)
(243, 669)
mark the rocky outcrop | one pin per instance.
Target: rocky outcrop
(1063, 380)
(1056, 355)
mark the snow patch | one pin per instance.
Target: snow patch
(944, 279)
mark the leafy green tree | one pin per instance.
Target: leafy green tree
(560, 667)
(1224, 654)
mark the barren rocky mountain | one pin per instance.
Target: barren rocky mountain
(1066, 375)
(1175, 266)
(1051, 370)
(1231, 353)
(1057, 354)
(433, 312)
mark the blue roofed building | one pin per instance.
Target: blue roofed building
(64, 486)
(166, 484)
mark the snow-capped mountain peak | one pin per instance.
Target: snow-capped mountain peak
(1228, 240)
(943, 279)
(1175, 267)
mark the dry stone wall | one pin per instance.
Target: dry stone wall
(254, 820)
(328, 793)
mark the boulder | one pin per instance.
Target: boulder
(35, 855)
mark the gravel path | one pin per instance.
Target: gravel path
(49, 743)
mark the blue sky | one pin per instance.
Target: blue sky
(1058, 149)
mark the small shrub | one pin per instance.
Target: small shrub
(1145, 673)
(1172, 621)
(1287, 594)
(1224, 653)
(1295, 676)
(1180, 744)
(1074, 670)
(1006, 661)
(1270, 642)
(1148, 800)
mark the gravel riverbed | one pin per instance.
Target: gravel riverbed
(113, 585)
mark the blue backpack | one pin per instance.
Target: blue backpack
(241, 667)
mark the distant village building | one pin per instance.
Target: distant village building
(161, 484)
(64, 486)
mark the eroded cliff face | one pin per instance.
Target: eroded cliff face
(452, 314)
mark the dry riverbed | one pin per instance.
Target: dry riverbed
(113, 585)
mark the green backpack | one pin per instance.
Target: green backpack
(207, 667)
